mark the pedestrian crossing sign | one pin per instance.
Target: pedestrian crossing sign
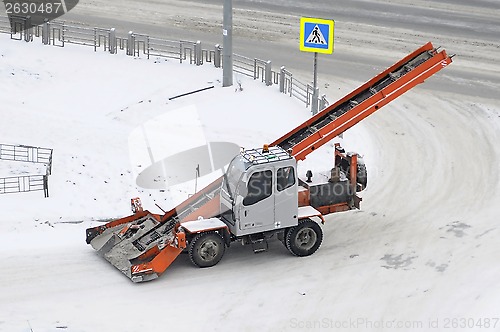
(316, 35)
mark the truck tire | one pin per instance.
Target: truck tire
(206, 249)
(282, 237)
(304, 239)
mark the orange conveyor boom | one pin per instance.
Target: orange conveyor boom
(364, 101)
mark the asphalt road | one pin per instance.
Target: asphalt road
(369, 35)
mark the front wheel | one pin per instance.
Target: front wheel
(304, 239)
(206, 249)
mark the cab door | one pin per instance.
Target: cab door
(285, 197)
(257, 208)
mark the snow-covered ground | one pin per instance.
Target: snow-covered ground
(420, 253)
(108, 119)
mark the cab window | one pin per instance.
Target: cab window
(259, 187)
(285, 178)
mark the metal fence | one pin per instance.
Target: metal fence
(18, 184)
(25, 153)
(58, 33)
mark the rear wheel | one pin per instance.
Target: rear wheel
(282, 236)
(206, 249)
(304, 239)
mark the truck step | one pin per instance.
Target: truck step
(260, 246)
(258, 242)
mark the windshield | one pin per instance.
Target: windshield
(236, 168)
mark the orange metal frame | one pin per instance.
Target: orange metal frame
(304, 198)
(161, 258)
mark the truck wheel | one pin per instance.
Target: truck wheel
(206, 249)
(282, 236)
(304, 239)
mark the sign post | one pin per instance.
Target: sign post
(316, 35)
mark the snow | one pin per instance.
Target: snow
(421, 250)
(201, 224)
(18, 168)
(105, 130)
(308, 211)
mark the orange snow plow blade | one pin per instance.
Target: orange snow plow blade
(142, 246)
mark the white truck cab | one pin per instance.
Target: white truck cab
(259, 191)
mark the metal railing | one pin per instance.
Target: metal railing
(58, 33)
(25, 153)
(295, 88)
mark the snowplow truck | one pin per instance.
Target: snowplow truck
(261, 195)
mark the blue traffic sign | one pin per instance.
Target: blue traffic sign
(316, 35)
